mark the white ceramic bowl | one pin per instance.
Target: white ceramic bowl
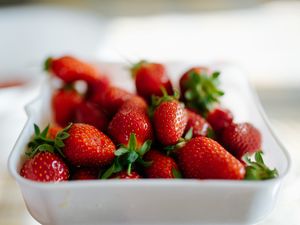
(156, 201)
(12, 102)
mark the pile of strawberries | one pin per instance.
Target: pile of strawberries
(109, 133)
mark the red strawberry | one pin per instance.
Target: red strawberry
(97, 87)
(64, 103)
(204, 158)
(150, 78)
(87, 146)
(89, 113)
(219, 118)
(53, 130)
(135, 102)
(130, 120)
(111, 99)
(124, 175)
(162, 166)
(241, 138)
(70, 69)
(198, 123)
(85, 173)
(186, 76)
(199, 89)
(45, 167)
(169, 120)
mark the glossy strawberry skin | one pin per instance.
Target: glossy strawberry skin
(85, 173)
(130, 120)
(241, 138)
(111, 99)
(124, 175)
(204, 158)
(169, 120)
(198, 123)
(185, 77)
(162, 166)
(150, 78)
(45, 167)
(64, 103)
(53, 130)
(87, 146)
(219, 118)
(135, 102)
(70, 69)
(89, 113)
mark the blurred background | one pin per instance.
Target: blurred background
(260, 36)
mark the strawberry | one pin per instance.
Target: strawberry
(111, 99)
(162, 166)
(81, 144)
(87, 146)
(85, 173)
(124, 175)
(219, 118)
(53, 131)
(70, 69)
(186, 76)
(197, 123)
(64, 103)
(169, 119)
(204, 158)
(45, 167)
(199, 89)
(90, 113)
(135, 102)
(130, 120)
(128, 157)
(241, 138)
(150, 78)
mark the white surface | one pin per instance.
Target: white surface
(31, 34)
(263, 39)
(154, 201)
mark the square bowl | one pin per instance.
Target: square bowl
(153, 201)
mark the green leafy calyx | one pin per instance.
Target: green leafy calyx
(128, 156)
(181, 143)
(176, 173)
(47, 63)
(257, 170)
(202, 91)
(157, 100)
(136, 67)
(41, 142)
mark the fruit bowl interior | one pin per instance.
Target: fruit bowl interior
(116, 195)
